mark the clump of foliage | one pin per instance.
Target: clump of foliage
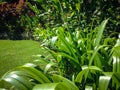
(77, 13)
(84, 55)
(81, 60)
(12, 19)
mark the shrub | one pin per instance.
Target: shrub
(12, 21)
(77, 14)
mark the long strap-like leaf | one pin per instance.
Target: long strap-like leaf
(52, 86)
(100, 32)
(104, 82)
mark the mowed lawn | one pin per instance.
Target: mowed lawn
(16, 53)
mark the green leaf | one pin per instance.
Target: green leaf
(34, 8)
(48, 66)
(66, 55)
(58, 78)
(67, 45)
(100, 32)
(116, 49)
(17, 81)
(104, 82)
(94, 68)
(116, 80)
(52, 86)
(88, 88)
(30, 65)
(85, 71)
(97, 48)
(36, 74)
(116, 64)
(53, 40)
(116, 57)
(78, 7)
(16, 78)
(97, 60)
(80, 75)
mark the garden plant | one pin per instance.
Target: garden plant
(80, 61)
(83, 53)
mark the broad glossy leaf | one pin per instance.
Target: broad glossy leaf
(58, 78)
(19, 77)
(36, 74)
(85, 71)
(81, 74)
(115, 78)
(94, 68)
(52, 86)
(116, 64)
(104, 82)
(16, 81)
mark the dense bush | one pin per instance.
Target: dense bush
(79, 13)
(13, 21)
(76, 14)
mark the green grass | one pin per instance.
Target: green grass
(15, 53)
